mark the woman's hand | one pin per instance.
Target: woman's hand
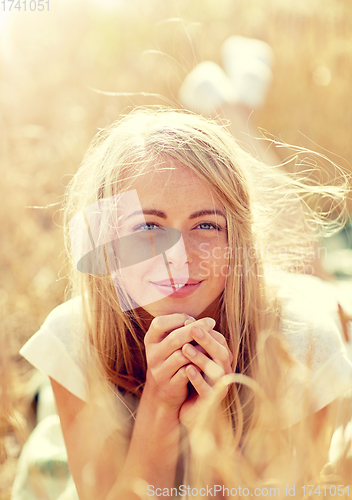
(210, 360)
(167, 377)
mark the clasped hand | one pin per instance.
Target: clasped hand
(172, 361)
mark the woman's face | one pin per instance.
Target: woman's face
(189, 275)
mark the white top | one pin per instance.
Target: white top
(310, 324)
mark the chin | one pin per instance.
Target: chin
(160, 308)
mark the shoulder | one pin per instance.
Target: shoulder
(307, 303)
(305, 290)
(56, 348)
(312, 329)
(65, 324)
(64, 315)
(310, 320)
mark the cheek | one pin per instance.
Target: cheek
(135, 280)
(135, 275)
(214, 257)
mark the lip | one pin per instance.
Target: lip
(186, 290)
(178, 281)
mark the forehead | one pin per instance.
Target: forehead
(174, 185)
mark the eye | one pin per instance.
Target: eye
(208, 226)
(145, 226)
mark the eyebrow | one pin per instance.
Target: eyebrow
(201, 213)
(162, 215)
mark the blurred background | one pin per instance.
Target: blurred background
(54, 69)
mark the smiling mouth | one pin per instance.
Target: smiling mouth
(177, 290)
(174, 285)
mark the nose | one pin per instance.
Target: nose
(177, 255)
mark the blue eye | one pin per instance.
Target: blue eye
(145, 226)
(209, 226)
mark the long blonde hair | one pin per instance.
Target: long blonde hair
(256, 199)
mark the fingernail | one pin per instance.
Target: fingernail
(192, 372)
(211, 322)
(189, 320)
(198, 332)
(190, 350)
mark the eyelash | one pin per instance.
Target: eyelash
(212, 224)
(143, 225)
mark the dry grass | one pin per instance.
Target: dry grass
(48, 113)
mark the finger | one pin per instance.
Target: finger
(198, 382)
(200, 348)
(219, 353)
(190, 320)
(180, 378)
(221, 339)
(173, 363)
(176, 339)
(211, 369)
(161, 325)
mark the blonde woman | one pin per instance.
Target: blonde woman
(182, 250)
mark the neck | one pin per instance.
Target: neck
(144, 317)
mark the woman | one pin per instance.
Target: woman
(178, 235)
